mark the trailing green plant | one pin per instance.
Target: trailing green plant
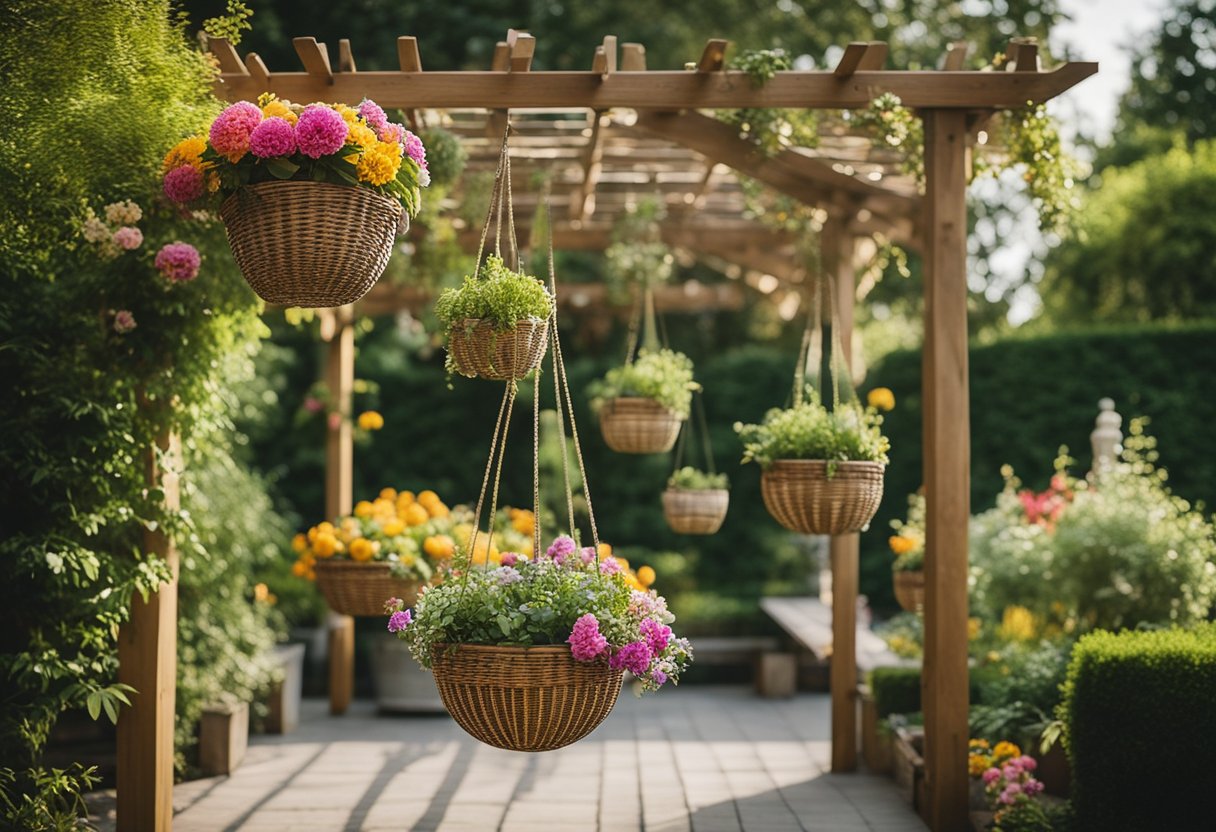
(808, 430)
(637, 255)
(694, 479)
(662, 375)
(498, 295)
(45, 800)
(1139, 721)
(770, 129)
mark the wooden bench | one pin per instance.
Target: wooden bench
(809, 622)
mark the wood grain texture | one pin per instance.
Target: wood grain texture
(315, 58)
(339, 495)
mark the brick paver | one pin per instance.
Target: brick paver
(693, 759)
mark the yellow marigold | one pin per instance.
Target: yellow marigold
(1006, 750)
(349, 114)
(604, 551)
(881, 398)
(1018, 624)
(425, 498)
(370, 420)
(277, 108)
(299, 543)
(393, 528)
(900, 545)
(362, 135)
(186, 152)
(523, 521)
(438, 509)
(378, 163)
(325, 545)
(978, 743)
(364, 508)
(646, 575)
(977, 764)
(415, 515)
(388, 493)
(299, 569)
(404, 499)
(383, 507)
(362, 549)
(973, 632)
(439, 546)
(624, 564)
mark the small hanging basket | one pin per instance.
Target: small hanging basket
(633, 425)
(695, 512)
(524, 698)
(311, 244)
(481, 351)
(800, 496)
(910, 589)
(360, 589)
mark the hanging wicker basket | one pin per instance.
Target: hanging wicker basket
(481, 351)
(634, 425)
(800, 496)
(360, 589)
(695, 512)
(311, 244)
(524, 698)
(910, 589)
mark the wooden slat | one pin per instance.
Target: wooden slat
(851, 59)
(315, 58)
(582, 202)
(339, 491)
(713, 57)
(874, 58)
(147, 661)
(609, 50)
(633, 57)
(346, 58)
(226, 54)
(946, 416)
(523, 46)
(408, 57)
(956, 56)
(501, 62)
(1023, 56)
(670, 90)
(599, 64)
(257, 70)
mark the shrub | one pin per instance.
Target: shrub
(896, 690)
(1141, 729)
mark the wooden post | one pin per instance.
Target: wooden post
(947, 453)
(147, 661)
(836, 249)
(339, 493)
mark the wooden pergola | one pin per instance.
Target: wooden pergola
(608, 137)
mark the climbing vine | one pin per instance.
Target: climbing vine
(771, 130)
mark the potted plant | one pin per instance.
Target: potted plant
(642, 403)
(388, 548)
(695, 502)
(823, 469)
(312, 197)
(908, 546)
(529, 656)
(497, 322)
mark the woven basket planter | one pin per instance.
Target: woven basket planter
(524, 698)
(799, 495)
(695, 512)
(480, 351)
(311, 243)
(633, 425)
(353, 588)
(910, 590)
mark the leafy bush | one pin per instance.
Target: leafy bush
(692, 479)
(1141, 729)
(1018, 692)
(808, 430)
(896, 690)
(498, 295)
(663, 375)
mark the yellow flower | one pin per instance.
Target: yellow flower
(325, 545)
(349, 114)
(523, 521)
(977, 764)
(1006, 750)
(1018, 624)
(388, 493)
(900, 545)
(393, 528)
(383, 507)
(362, 549)
(438, 509)
(439, 546)
(425, 498)
(881, 398)
(186, 152)
(364, 508)
(646, 575)
(299, 543)
(361, 135)
(370, 420)
(973, 631)
(261, 592)
(604, 551)
(415, 515)
(978, 743)
(277, 108)
(378, 163)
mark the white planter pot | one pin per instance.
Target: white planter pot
(401, 685)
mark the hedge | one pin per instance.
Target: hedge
(896, 690)
(1141, 729)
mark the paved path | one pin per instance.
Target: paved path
(700, 759)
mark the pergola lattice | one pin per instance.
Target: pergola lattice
(617, 133)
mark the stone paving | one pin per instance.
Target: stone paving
(693, 759)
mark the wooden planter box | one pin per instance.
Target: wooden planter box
(283, 701)
(876, 738)
(401, 685)
(223, 737)
(908, 766)
(777, 675)
(1054, 770)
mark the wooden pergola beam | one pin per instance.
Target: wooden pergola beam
(860, 57)
(713, 57)
(665, 90)
(570, 237)
(346, 58)
(315, 58)
(582, 201)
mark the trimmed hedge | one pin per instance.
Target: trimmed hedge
(1141, 729)
(896, 690)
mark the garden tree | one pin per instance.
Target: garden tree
(101, 355)
(1144, 248)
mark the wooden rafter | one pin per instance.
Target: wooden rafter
(582, 201)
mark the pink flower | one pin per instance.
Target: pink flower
(184, 184)
(415, 150)
(320, 131)
(587, 554)
(392, 605)
(1027, 763)
(392, 132)
(508, 559)
(398, 621)
(232, 128)
(991, 776)
(1010, 794)
(610, 566)
(273, 137)
(313, 405)
(659, 677)
(124, 321)
(373, 114)
(585, 640)
(334, 421)
(178, 261)
(562, 548)
(129, 237)
(634, 657)
(656, 635)
(1032, 787)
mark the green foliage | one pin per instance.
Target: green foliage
(1019, 692)
(231, 24)
(45, 800)
(1140, 722)
(771, 129)
(445, 155)
(894, 126)
(637, 255)
(693, 479)
(896, 690)
(1144, 248)
(498, 295)
(808, 430)
(663, 375)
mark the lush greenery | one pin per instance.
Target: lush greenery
(808, 430)
(771, 129)
(896, 690)
(662, 375)
(1138, 709)
(637, 257)
(498, 295)
(694, 479)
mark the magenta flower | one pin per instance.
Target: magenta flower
(991, 776)
(656, 635)
(634, 657)
(1027, 763)
(178, 261)
(313, 405)
(585, 640)
(320, 131)
(610, 566)
(232, 128)
(391, 605)
(273, 137)
(184, 184)
(129, 237)
(373, 114)
(398, 621)
(659, 677)
(124, 321)
(509, 559)
(391, 132)
(415, 150)
(587, 554)
(561, 549)
(1032, 786)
